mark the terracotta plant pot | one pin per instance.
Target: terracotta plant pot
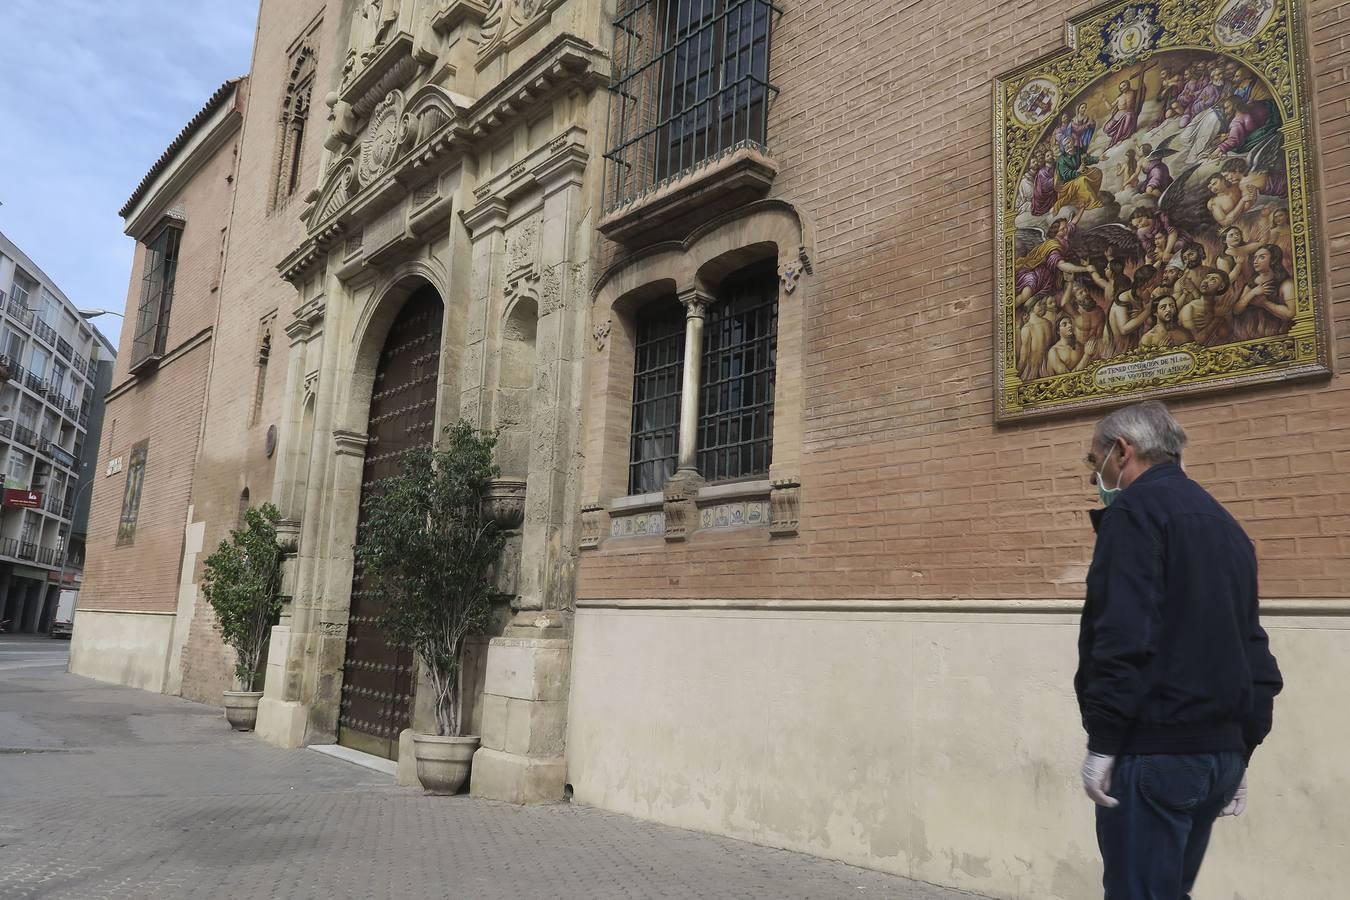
(443, 762)
(241, 709)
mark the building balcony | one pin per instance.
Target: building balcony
(45, 331)
(9, 547)
(148, 348)
(687, 147)
(63, 347)
(19, 312)
(26, 436)
(35, 384)
(27, 550)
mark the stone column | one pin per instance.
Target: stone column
(681, 490)
(283, 712)
(527, 671)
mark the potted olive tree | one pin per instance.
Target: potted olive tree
(242, 581)
(428, 546)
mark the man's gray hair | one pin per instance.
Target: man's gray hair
(1148, 427)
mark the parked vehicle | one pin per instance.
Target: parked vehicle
(63, 623)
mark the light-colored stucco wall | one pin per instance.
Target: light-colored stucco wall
(941, 745)
(129, 648)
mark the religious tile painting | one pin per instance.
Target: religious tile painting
(1154, 229)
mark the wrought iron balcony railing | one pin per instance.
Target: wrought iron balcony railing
(63, 347)
(690, 85)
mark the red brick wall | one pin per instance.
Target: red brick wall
(162, 406)
(232, 455)
(908, 487)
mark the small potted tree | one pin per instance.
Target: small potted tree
(428, 546)
(242, 581)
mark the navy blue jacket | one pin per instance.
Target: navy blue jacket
(1171, 654)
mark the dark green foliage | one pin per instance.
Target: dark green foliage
(429, 548)
(241, 581)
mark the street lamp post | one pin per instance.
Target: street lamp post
(65, 549)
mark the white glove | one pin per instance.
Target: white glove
(1239, 803)
(1097, 779)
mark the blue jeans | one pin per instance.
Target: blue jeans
(1152, 844)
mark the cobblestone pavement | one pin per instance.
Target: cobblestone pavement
(109, 792)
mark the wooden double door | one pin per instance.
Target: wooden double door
(378, 677)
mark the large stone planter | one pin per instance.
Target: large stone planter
(241, 709)
(443, 762)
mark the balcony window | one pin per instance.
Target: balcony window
(24, 285)
(690, 84)
(157, 283)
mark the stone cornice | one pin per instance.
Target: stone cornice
(391, 67)
(341, 206)
(560, 162)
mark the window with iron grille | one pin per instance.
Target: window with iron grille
(152, 315)
(735, 423)
(131, 495)
(658, 367)
(690, 83)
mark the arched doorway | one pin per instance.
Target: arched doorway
(378, 678)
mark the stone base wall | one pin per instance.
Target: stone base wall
(942, 744)
(129, 648)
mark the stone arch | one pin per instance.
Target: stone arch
(697, 264)
(372, 327)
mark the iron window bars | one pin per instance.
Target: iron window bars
(735, 421)
(738, 367)
(690, 83)
(658, 367)
(152, 315)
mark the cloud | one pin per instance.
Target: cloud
(91, 93)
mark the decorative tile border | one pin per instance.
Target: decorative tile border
(640, 525)
(730, 515)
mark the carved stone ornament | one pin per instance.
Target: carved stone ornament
(504, 501)
(384, 136)
(601, 334)
(550, 291)
(523, 245)
(791, 269)
(288, 536)
(593, 517)
(679, 507)
(784, 505)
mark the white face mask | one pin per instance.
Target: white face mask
(1106, 494)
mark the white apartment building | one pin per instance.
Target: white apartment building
(55, 368)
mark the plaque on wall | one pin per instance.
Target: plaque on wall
(1154, 219)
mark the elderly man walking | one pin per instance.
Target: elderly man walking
(1175, 682)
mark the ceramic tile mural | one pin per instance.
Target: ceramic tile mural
(1154, 225)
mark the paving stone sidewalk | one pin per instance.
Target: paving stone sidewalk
(114, 793)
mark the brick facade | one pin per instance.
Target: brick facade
(909, 490)
(233, 456)
(162, 406)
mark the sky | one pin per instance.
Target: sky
(91, 93)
